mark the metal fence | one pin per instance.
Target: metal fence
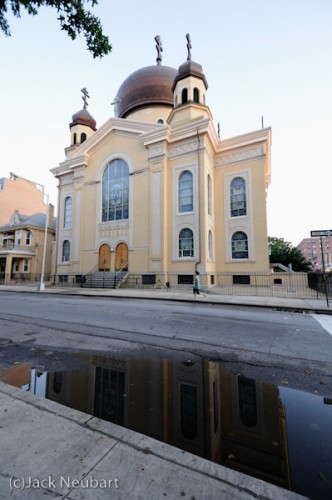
(21, 278)
(275, 284)
(297, 285)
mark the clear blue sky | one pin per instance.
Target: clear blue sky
(260, 57)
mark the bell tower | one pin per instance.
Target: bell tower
(190, 84)
(83, 125)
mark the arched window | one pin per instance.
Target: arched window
(186, 243)
(239, 245)
(210, 243)
(115, 203)
(75, 138)
(83, 137)
(66, 251)
(68, 213)
(238, 197)
(247, 399)
(57, 382)
(176, 100)
(215, 405)
(184, 96)
(188, 411)
(209, 194)
(185, 192)
(161, 121)
(196, 95)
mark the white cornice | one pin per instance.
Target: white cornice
(192, 129)
(153, 136)
(77, 161)
(60, 170)
(233, 150)
(264, 134)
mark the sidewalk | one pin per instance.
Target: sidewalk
(51, 450)
(318, 306)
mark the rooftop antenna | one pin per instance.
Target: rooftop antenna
(159, 48)
(218, 130)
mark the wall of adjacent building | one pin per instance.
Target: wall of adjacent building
(311, 249)
(22, 195)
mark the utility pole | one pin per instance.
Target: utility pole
(41, 284)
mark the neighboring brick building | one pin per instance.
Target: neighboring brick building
(17, 193)
(311, 250)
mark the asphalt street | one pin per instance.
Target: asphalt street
(274, 345)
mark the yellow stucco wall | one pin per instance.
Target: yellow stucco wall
(156, 156)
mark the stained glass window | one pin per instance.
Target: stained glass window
(68, 215)
(239, 245)
(186, 243)
(238, 197)
(186, 192)
(115, 191)
(66, 251)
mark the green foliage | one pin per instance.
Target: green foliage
(74, 19)
(282, 252)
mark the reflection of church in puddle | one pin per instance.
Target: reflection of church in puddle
(194, 405)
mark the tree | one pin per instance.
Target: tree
(282, 252)
(74, 19)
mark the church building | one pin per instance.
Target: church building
(155, 191)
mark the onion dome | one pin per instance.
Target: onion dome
(149, 86)
(83, 117)
(190, 68)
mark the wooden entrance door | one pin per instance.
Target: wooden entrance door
(121, 257)
(104, 258)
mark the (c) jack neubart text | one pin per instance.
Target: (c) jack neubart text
(49, 482)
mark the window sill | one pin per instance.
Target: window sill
(184, 259)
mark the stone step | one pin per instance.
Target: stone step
(104, 279)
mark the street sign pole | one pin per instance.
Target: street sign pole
(315, 234)
(324, 275)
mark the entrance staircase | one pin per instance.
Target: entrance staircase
(104, 279)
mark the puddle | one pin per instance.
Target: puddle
(277, 434)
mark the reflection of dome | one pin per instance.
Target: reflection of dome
(148, 86)
(189, 68)
(83, 117)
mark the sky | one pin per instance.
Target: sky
(269, 58)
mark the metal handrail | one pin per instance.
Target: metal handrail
(92, 270)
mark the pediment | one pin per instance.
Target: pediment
(112, 126)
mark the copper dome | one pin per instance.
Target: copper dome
(148, 86)
(83, 117)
